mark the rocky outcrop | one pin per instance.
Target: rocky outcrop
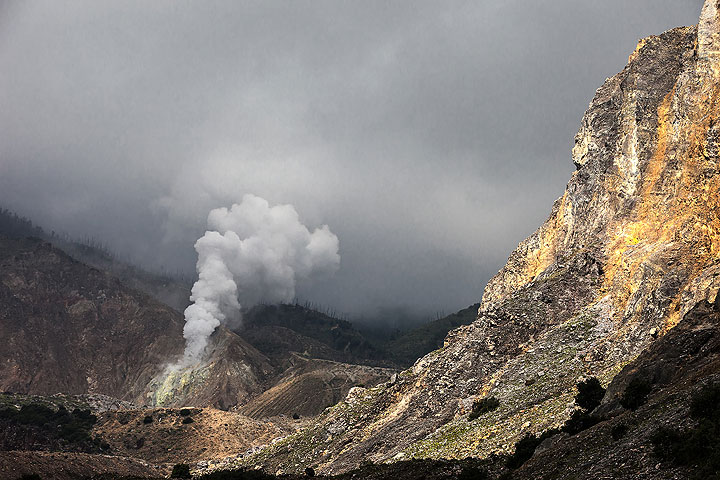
(631, 246)
(675, 368)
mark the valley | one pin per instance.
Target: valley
(594, 352)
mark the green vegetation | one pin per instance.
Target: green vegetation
(483, 406)
(525, 448)
(181, 470)
(409, 346)
(636, 393)
(590, 394)
(72, 429)
(618, 431)
(697, 447)
(346, 342)
(15, 226)
(579, 420)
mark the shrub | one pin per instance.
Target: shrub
(635, 394)
(706, 403)
(665, 443)
(35, 414)
(73, 428)
(580, 420)
(699, 446)
(184, 412)
(525, 447)
(181, 470)
(524, 450)
(148, 419)
(85, 416)
(295, 416)
(187, 420)
(483, 406)
(618, 431)
(309, 472)
(590, 394)
(473, 473)
(237, 475)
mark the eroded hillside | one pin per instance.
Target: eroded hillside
(71, 328)
(630, 247)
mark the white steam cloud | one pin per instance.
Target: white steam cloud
(251, 253)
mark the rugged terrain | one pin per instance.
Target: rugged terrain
(119, 338)
(169, 436)
(620, 284)
(75, 329)
(630, 248)
(278, 330)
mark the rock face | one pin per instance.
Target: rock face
(70, 328)
(631, 247)
(74, 329)
(676, 367)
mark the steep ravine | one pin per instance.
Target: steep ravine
(630, 247)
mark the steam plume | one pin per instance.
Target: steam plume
(251, 253)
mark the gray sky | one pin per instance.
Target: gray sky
(430, 136)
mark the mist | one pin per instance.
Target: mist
(431, 136)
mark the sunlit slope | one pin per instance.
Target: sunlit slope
(629, 248)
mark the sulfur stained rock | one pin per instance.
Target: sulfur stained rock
(630, 247)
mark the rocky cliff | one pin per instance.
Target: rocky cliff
(630, 247)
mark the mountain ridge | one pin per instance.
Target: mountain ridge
(629, 249)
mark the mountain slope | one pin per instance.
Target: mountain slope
(675, 368)
(73, 329)
(309, 386)
(277, 330)
(420, 341)
(631, 247)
